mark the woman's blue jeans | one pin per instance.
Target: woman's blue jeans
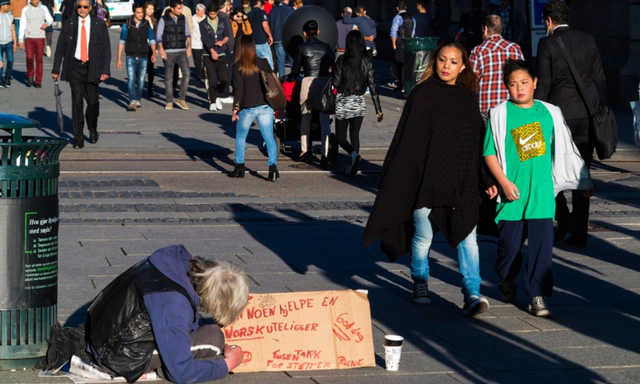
(468, 254)
(264, 115)
(136, 71)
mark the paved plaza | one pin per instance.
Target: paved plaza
(158, 177)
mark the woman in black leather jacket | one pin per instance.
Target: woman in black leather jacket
(353, 74)
(315, 59)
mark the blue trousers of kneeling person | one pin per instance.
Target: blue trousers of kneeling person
(468, 254)
(264, 115)
(538, 276)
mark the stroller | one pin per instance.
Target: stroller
(287, 122)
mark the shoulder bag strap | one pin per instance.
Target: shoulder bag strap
(574, 72)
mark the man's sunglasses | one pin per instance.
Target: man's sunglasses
(84, 6)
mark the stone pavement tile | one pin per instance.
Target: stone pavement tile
(429, 361)
(591, 316)
(606, 356)
(570, 338)
(624, 336)
(632, 374)
(263, 377)
(560, 375)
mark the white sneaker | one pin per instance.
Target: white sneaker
(48, 51)
(227, 100)
(213, 107)
(219, 104)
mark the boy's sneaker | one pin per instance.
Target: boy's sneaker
(421, 293)
(182, 104)
(219, 104)
(508, 290)
(538, 307)
(132, 107)
(474, 305)
(212, 107)
(7, 82)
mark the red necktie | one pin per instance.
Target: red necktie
(84, 54)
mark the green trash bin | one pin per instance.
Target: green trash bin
(417, 51)
(29, 171)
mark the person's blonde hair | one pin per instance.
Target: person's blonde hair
(223, 289)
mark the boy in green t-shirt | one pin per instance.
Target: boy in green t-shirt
(531, 155)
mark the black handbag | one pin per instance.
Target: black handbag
(273, 91)
(605, 127)
(325, 101)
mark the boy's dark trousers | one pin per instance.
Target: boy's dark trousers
(538, 277)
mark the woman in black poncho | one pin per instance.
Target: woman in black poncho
(430, 178)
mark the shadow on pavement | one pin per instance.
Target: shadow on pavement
(209, 153)
(329, 254)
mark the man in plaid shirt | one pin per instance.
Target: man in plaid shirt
(488, 59)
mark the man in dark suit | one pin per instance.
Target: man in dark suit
(557, 86)
(84, 46)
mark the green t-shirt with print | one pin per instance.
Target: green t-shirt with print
(528, 153)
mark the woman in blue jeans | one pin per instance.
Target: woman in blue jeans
(250, 104)
(431, 178)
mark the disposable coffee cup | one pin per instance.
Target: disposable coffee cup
(392, 351)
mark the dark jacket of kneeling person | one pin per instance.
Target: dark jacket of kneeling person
(151, 305)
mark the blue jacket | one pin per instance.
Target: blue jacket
(365, 24)
(276, 18)
(172, 321)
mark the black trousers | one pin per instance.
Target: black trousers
(197, 62)
(217, 75)
(151, 73)
(353, 125)
(81, 91)
(538, 278)
(578, 219)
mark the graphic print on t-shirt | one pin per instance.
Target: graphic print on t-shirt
(529, 141)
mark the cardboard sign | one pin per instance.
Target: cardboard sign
(304, 331)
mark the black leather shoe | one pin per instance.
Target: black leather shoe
(37, 85)
(238, 171)
(273, 173)
(29, 83)
(78, 146)
(576, 240)
(323, 163)
(93, 138)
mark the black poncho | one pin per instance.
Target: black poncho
(433, 162)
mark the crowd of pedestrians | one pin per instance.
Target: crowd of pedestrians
(470, 129)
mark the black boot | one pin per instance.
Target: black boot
(238, 171)
(273, 173)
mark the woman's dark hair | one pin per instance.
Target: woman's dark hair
(355, 51)
(467, 77)
(246, 56)
(238, 10)
(512, 65)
